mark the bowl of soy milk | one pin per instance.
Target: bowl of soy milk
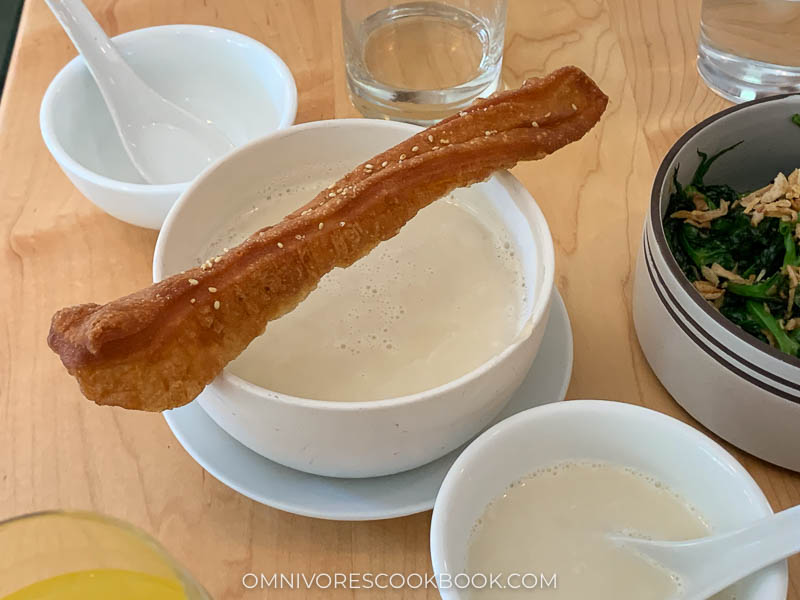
(529, 504)
(400, 358)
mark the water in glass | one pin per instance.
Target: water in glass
(421, 61)
(750, 48)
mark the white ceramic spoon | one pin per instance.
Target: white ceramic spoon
(709, 565)
(166, 143)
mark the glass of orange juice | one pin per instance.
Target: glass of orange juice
(84, 556)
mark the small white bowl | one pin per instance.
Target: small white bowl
(355, 439)
(688, 462)
(736, 385)
(223, 76)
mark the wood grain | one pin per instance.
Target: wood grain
(57, 450)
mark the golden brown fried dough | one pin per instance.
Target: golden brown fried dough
(159, 347)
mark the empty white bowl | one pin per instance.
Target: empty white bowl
(355, 439)
(223, 76)
(741, 388)
(681, 457)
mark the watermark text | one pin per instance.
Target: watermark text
(398, 581)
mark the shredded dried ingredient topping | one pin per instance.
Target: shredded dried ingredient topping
(708, 290)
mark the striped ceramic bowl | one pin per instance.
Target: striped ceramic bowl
(736, 385)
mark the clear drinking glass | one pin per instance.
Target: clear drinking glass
(750, 48)
(84, 556)
(421, 61)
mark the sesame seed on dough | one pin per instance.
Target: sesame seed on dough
(369, 166)
(213, 290)
(430, 138)
(298, 237)
(331, 194)
(280, 245)
(341, 223)
(321, 225)
(402, 157)
(384, 163)
(193, 300)
(415, 148)
(547, 115)
(534, 124)
(216, 304)
(193, 282)
(574, 107)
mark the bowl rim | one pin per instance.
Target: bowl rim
(461, 467)
(539, 307)
(657, 224)
(65, 160)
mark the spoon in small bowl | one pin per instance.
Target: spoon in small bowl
(708, 565)
(165, 143)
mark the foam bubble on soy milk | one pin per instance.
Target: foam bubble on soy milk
(270, 204)
(431, 304)
(555, 520)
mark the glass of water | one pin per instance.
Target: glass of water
(750, 48)
(421, 61)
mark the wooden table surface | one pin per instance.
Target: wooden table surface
(58, 450)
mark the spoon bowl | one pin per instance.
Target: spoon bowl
(166, 143)
(223, 76)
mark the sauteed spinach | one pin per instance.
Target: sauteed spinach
(740, 251)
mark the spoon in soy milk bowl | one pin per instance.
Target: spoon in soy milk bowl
(708, 565)
(165, 143)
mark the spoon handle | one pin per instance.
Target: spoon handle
(100, 54)
(764, 542)
(709, 565)
(771, 539)
(740, 553)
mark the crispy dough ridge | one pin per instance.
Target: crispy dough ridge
(155, 349)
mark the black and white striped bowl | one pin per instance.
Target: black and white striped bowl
(739, 387)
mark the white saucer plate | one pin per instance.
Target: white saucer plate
(366, 499)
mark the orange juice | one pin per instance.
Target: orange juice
(102, 584)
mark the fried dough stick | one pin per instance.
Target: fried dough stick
(159, 347)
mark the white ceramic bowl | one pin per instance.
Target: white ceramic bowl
(739, 387)
(687, 461)
(371, 438)
(219, 75)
